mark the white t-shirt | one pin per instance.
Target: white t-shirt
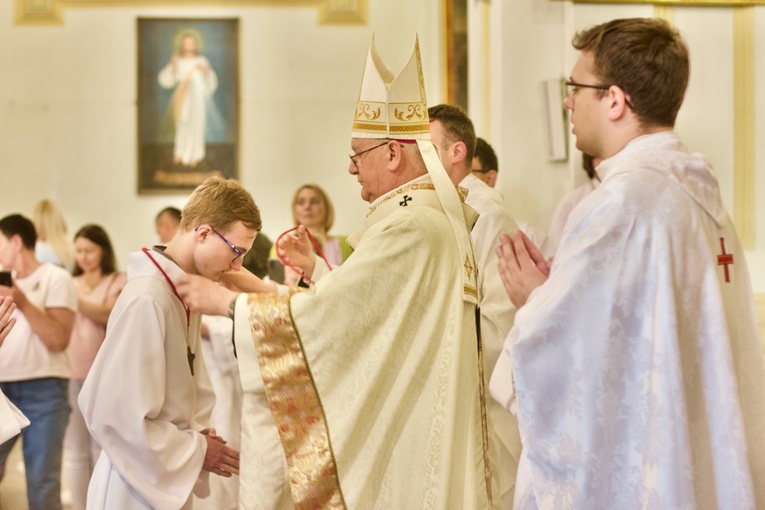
(24, 356)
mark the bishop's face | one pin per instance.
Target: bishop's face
(588, 106)
(368, 164)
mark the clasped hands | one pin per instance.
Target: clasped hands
(219, 458)
(522, 266)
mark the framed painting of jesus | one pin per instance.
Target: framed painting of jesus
(188, 102)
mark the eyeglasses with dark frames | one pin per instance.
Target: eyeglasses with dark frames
(572, 87)
(355, 155)
(239, 253)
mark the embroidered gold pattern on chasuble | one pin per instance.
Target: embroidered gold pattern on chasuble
(295, 404)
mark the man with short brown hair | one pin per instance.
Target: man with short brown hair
(635, 366)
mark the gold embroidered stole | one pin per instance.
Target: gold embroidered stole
(295, 404)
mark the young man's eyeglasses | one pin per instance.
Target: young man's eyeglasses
(572, 87)
(236, 250)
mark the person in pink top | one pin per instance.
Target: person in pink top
(98, 285)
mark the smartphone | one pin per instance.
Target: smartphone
(6, 279)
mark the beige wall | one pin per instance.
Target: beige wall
(68, 94)
(68, 109)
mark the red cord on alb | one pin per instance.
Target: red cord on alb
(315, 245)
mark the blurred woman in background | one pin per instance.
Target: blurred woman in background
(98, 285)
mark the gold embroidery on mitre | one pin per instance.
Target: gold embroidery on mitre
(367, 111)
(411, 111)
(295, 404)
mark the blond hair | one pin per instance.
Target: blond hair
(51, 228)
(220, 203)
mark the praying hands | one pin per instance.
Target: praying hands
(522, 266)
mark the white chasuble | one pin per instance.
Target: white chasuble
(141, 402)
(497, 312)
(638, 365)
(371, 376)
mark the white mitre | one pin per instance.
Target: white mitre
(394, 107)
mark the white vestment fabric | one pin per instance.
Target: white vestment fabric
(561, 213)
(141, 402)
(222, 367)
(392, 351)
(497, 312)
(193, 87)
(638, 366)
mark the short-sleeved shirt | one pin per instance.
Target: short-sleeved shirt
(24, 356)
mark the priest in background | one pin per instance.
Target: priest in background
(365, 390)
(636, 360)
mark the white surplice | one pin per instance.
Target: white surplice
(391, 348)
(141, 402)
(223, 370)
(497, 312)
(638, 365)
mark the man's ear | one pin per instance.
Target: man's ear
(617, 103)
(202, 231)
(458, 152)
(394, 155)
(492, 178)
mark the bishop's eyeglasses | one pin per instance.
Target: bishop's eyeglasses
(355, 155)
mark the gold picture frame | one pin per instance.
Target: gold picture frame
(687, 3)
(51, 12)
(455, 34)
(188, 102)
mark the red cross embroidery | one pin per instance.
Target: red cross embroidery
(725, 259)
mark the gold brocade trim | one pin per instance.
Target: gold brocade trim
(396, 194)
(484, 417)
(295, 404)
(392, 128)
(467, 289)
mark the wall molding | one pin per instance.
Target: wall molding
(744, 125)
(759, 305)
(665, 12)
(51, 12)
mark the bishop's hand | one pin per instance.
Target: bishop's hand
(522, 266)
(203, 295)
(245, 281)
(295, 248)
